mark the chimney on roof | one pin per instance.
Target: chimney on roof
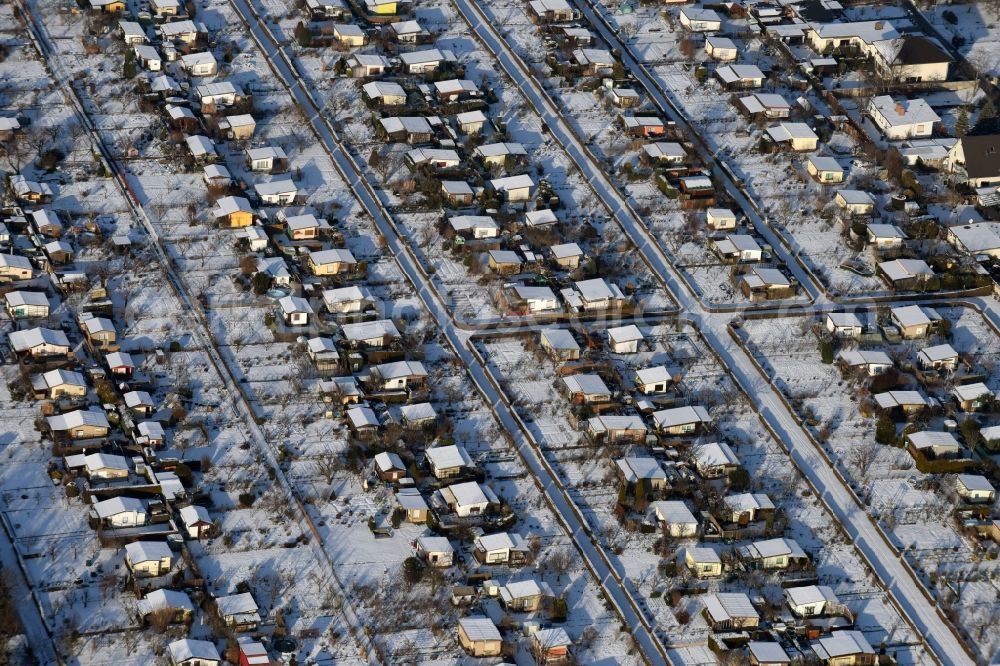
(879, 25)
(899, 109)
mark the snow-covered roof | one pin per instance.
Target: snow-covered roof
(305, 221)
(189, 648)
(97, 325)
(926, 439)
(903, 112)
(120, 360)
(636, 469)
(236, 604)
(406, 27)
(543, 6)
(276, 187)
(146, 52)
(411, 500)
(821, 163)
(885, 231)
(512, 183)
(217, 171)
(596, 57)
(377, 89)
(346, 294)
(566, 250)
(442, 155)
(776, 548)
(587, 384)
(456, 187)
(605, 422)
(666, 418)
(627, 333)
(719, 42)
(529, 293)
(479, 628)
(748, 502)
(193, 514)
(538, 218)
(425, 56)
(447, 457)
(733, 73)
(434, 544)
(321, 346)
(294, 305)
(934, 353)
(266, 153)
(502, 257)
(498, 541)
(471, 493)
(60, 377)
(902, 269)
(867, 31)
(978, 237)
(138, 399)
(369, 60)
(132, 30)
(229, 205)
(15, 261)
(714, 454)
(858, 198)
(914, 315)
(974, 391)
(19, 298)
(369, 330)
(700, 14)
(201, 58)
(552, 638)
(858, 357)
(332, 256)
(725, 606)
(117, 505)
(420, 412)
(36, 337)
(768, 652)
(844, 319)
(789, 131)
(673, 512)
(766, 277)
(521, 589)
(842, 644)
(147, 551)
(810, 594)
(77, 418)
(975, 483)
(453, 86)
(704, 555)
(362, 416)
(165, 598)
(500, 150)
(386, 461)
(598, 289)
(653, 375)
(761, 102)
(891, 399)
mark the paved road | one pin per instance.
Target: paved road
(619, 590)
(841, 502)
(35, 628)
(721, 171)
(201, 330)
(903, 588)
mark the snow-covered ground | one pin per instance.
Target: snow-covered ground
(917, 509)
(531, 382)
